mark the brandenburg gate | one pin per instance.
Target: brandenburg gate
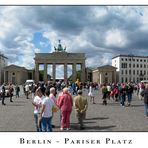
(60, 57)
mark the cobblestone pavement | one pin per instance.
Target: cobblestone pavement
(18, 116)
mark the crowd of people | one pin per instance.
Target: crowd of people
(9, 91)
(49, 98)
(46, 102)
(71, 95)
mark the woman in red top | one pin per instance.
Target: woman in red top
(65, 103)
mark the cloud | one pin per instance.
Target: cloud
(116, 38)
(99, 31)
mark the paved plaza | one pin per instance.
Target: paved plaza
(18, 116)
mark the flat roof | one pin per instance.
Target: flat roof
(129, 55)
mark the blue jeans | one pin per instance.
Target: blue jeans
(146, 109)
(123, 99)
(129, 97)
(46, 124)
(37, 124)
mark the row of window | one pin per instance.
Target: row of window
(134, 72)
(136, 80)
(125, 65)
(132, 59)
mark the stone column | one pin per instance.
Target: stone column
(45, 72)
(65, 72)
(53, 71)
(74, 72)
(4, 76)
(100, 78)
(83, 72)
(37, 72)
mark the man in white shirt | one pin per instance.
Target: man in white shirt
(46, 113)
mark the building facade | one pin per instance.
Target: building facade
(3, 63)
(131, 68)
(17, 75)
(104, 74)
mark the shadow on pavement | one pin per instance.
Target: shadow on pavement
(137, 105)
(97, 118)
(99, 127)
(91, 128)
(13, 104)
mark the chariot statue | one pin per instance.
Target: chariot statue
(59, 48)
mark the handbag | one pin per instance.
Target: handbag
(55, 109)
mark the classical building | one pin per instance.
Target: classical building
(16, 74)
(59, 57)
(3, 63)
(131, 68)
(104, 74)
(88, 74)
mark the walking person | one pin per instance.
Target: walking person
(81, 106)
(65, 104)
(3, 94)
(145, 94)
(46, 113)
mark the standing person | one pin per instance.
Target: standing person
(46, 113)
(17, 90)
(27, 91)
(145, 94)
(81, 106)
(116, 93)
(3, 94)
(104, 94)
(91, 93)
(141, 89)
(37, 103)
(108, 90)
(77, 84)
(123, 92)
(33, 90)
(73, 87)
(53, 97)
(53, 94)
(129, 94)
(11, 92)
(65, 104)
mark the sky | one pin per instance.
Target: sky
(101, 32)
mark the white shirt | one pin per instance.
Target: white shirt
(91, 91)
(51, 96)
(27, 88)
(49, 103)
(38, 100)
(108, 88)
